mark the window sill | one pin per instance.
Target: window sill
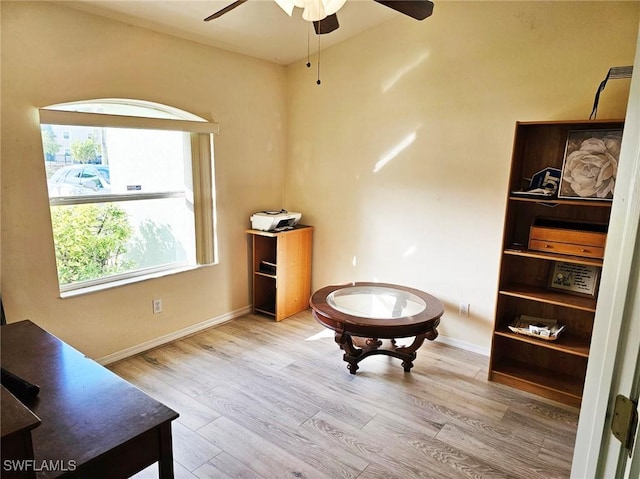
(127, 281)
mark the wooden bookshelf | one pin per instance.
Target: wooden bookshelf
(553, 369)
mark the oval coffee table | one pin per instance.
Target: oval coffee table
(362, 314)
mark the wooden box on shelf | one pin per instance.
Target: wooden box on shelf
(568, 237)
(281, 271)
(553, 369)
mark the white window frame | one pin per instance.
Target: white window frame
(201, 132)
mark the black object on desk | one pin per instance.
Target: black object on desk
(19, 387)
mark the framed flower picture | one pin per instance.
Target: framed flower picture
(590, 164)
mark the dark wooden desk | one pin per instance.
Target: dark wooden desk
(94, 424)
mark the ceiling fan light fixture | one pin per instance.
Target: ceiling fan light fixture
(313, 11)
(316, 10)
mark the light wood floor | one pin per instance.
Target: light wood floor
(260, 399)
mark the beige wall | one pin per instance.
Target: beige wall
(451, 89)
(53, 54)
(431, 217)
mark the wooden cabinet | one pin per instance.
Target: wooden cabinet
(281, 271)
(551, 368)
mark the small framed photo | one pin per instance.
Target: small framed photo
(576, 279)
(590, 164)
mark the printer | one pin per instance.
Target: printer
(274, 220)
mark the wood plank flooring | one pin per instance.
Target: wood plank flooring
(260, 399)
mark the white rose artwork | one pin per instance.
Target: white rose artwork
(591, 164)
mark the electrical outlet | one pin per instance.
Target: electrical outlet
(157, 306)
(464, 309)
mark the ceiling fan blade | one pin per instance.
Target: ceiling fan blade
(418, 9)
(226, 9)
(327, 24)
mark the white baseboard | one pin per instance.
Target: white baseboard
(224, 318)
(463, 345)
(174, 336)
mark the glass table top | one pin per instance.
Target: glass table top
(376, 302)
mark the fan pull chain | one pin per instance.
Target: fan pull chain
(318, 80)
(308, 43)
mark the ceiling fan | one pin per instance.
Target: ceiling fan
(323, 12)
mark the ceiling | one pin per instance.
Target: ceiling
(244, 29)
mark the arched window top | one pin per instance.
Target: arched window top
(126, 107)
(116, 112)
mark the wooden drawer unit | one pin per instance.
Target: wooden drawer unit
(568, 237)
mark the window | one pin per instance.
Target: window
(131, 196)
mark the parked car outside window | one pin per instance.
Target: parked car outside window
(79, 180)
